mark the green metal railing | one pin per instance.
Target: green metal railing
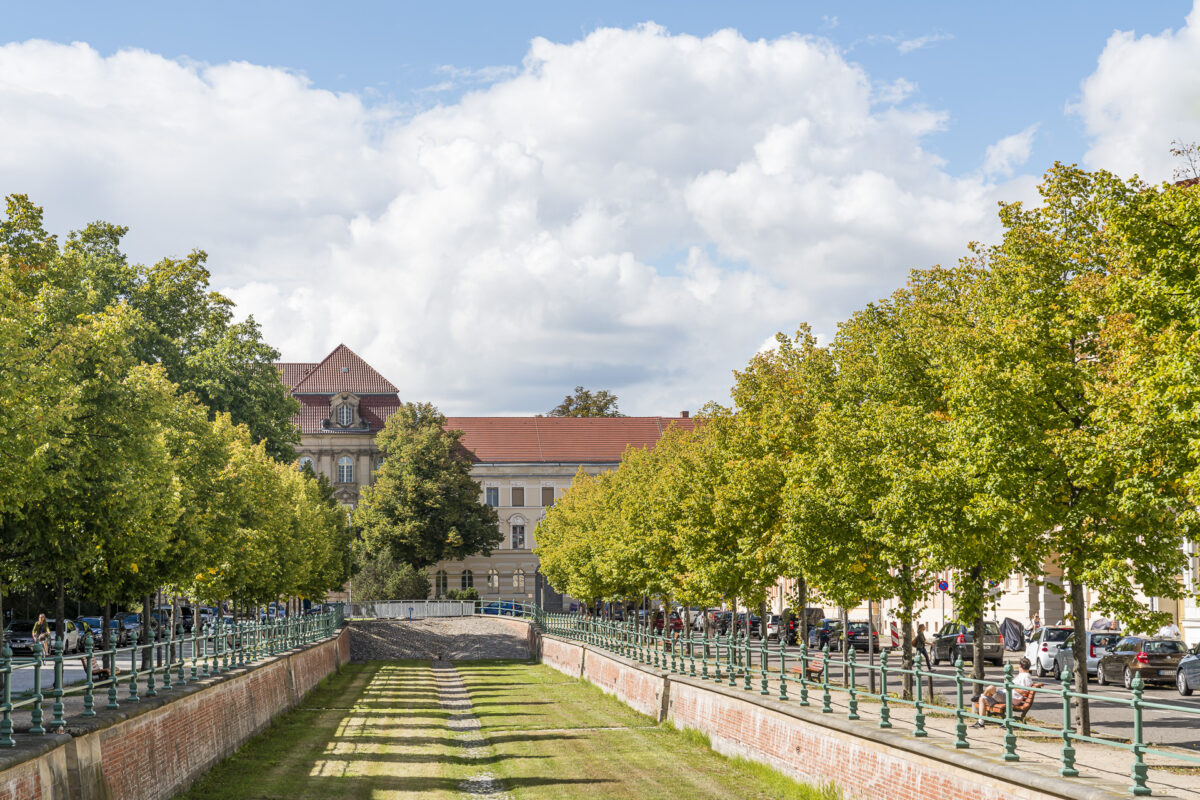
(730, 659)
(149, 667)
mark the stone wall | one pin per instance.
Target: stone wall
(156, 748)
(864, 762)
(442, 638)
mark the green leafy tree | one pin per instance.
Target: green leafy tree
(380, 577)
(424, 505)
(585, 403)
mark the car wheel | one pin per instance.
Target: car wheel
(1181, 683)
(1100, 679)
(998, 661)
(1038, 669)
(933, 658)
(1128, 678)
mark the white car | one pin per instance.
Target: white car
(1043, 647)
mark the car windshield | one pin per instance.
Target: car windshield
(93, 621)
(1055, 634)
(133, 617)
(21, 627)
(1105, 640)
(774, 619)
(1164, 648)
(858, 627)
(992, 629)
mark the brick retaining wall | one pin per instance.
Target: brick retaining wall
(156, 748)
(864, 762)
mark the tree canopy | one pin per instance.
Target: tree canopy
(586, 403)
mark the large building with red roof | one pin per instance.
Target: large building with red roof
(522, 464)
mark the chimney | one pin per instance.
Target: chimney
(684, 414)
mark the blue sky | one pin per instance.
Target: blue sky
(494, 203)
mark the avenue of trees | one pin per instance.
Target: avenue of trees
(145, 437)
(1036, 404)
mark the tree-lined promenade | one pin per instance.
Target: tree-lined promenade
(1035, 403)
(145, 441)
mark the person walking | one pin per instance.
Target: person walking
(41, 633)
(920, 646)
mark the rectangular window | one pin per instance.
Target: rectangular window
(547, 496)
(518, 496)
(518, 537)
(492, 496)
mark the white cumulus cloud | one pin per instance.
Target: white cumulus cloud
(636, 210)
(1003, 157)
(1144, 93)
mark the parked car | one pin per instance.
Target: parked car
(72, 635)
(755, 623)
(1155, 660)
(162, 621)
(505, 608)
(660, 623)
(774, 626)
(822, 632)
(1187, 675)
(19, 636)
(132, 623)
(856, 636)
(1099, 643)
(96, 627)
(956, 640)
(1043, 647)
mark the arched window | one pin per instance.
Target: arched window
(493, 580)
(519, 581)
(439, 583)
(305, 461)
(345, 415)
(468, 579)
(345, 470)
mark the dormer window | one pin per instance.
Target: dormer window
(345, 415)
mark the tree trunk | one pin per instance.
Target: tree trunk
(802, 623)
(1079, 659)
(871, 644)
(978, 662)
(60, 610)
(906, 651)
(147, 633)
(762, 619)
(844, 614)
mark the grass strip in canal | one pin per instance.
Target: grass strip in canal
(379, 731)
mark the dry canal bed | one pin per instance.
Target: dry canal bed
(393, 730)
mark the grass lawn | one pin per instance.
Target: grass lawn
(377, 731)
(557, 738)
(374, 731)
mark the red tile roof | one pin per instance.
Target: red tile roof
(290, 372)
(341, 371)
(588, 440)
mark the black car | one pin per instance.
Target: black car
(96, 628)
(856, 637)
(956, 640)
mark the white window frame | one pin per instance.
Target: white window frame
(347, 463)
(345, 415)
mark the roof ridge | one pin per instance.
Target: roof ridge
(319, 364)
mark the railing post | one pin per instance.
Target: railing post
(826, 708)
(6, 726)
(919, 717)
(89, 701)
(960, 724)
(150, 690)
(1010, 737)
(783, 667)
(749, 665)
(110, 656)
(1138, 773)
(691, 646)
(1068, 752)
(762, 664)
(852, 667)
(166, 684)
(804, 661)
(36, 716)
(196, 626)
(57, 722)
(885, 713)
(733, 657)
(704, 654)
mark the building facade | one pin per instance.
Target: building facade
(522, 464)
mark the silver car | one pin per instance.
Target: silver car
(1098, 644)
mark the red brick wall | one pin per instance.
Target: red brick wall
(566, 657)
(642, 690)
(802, 743)
(160, 751)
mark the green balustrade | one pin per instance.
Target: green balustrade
(804, 673)
(1068, 752)
(960, 723)
(36, 717)
(1138, 773)
(885, 713)
(783, 695)
(56, 719)
(853, 712)
(919, 717)
(826, 707)
(1010, 737)
(6, 706)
